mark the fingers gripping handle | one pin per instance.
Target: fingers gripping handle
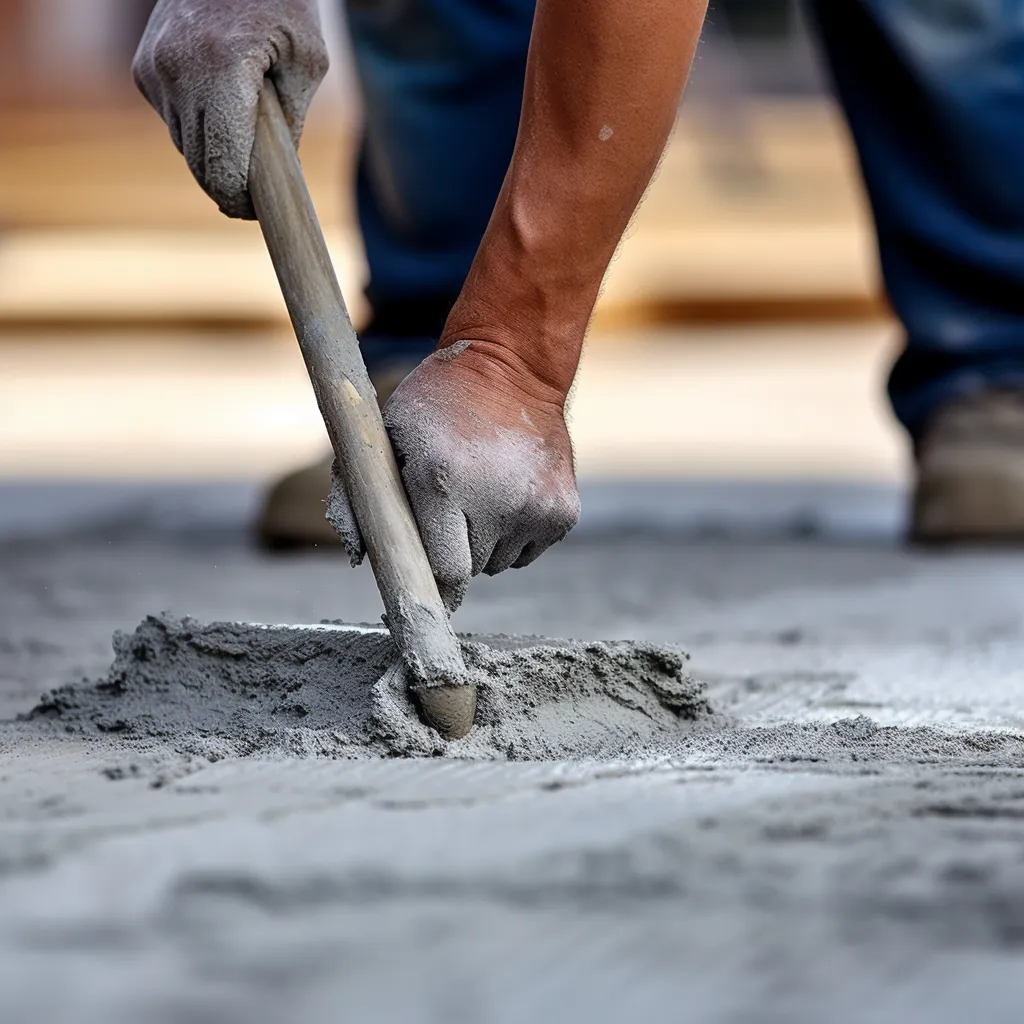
(416, 615)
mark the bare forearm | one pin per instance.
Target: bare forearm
(603, 82)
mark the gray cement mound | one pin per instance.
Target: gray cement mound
(336, 690)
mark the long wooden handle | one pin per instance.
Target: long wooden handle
(416, 616)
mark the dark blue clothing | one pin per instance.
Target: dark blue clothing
(442, 84)
(934, 92)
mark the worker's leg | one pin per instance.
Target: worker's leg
(934, 93)
(442, 82)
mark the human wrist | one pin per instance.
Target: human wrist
(529, 304)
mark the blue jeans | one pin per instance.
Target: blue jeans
(934, 92)
(442, 84)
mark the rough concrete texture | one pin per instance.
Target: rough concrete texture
(339, 691)
(839, 841)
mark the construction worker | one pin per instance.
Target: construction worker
(506, 146)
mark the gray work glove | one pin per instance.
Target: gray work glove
(201, 64)
(487, 464)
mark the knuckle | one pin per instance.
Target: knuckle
(218, 50)
(568, 514)
(558, 522)
(560, 513)
(167, 62)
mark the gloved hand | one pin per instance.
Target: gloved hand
(486, 461)
(201, 64)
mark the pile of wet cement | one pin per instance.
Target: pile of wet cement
(239, 689)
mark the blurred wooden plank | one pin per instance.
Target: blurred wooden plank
(224, 279)
(137, 278)
(792, 402)
(116, 167)
(106, 226)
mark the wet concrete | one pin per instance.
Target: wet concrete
(847, 849)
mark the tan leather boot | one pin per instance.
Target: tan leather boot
(970, 471)
(293, 509)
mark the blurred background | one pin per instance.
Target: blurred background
(741, 332)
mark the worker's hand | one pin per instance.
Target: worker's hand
(201, 64)
(486, 461)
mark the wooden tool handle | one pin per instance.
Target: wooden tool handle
(416, 616)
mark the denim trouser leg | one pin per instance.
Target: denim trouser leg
(934, 92)
(442, 82)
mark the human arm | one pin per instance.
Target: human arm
(479, 428)
(603, 84)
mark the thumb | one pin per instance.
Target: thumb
(340, 516)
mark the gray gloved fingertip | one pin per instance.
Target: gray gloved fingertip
(452, 596)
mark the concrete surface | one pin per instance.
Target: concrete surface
(875, 874)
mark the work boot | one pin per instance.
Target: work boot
(970, 471)
(292, 515)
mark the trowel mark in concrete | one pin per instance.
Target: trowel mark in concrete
(236, 689)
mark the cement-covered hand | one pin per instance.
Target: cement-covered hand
(486, 461)
(201, 64)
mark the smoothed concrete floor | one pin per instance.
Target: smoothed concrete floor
(872, 874)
